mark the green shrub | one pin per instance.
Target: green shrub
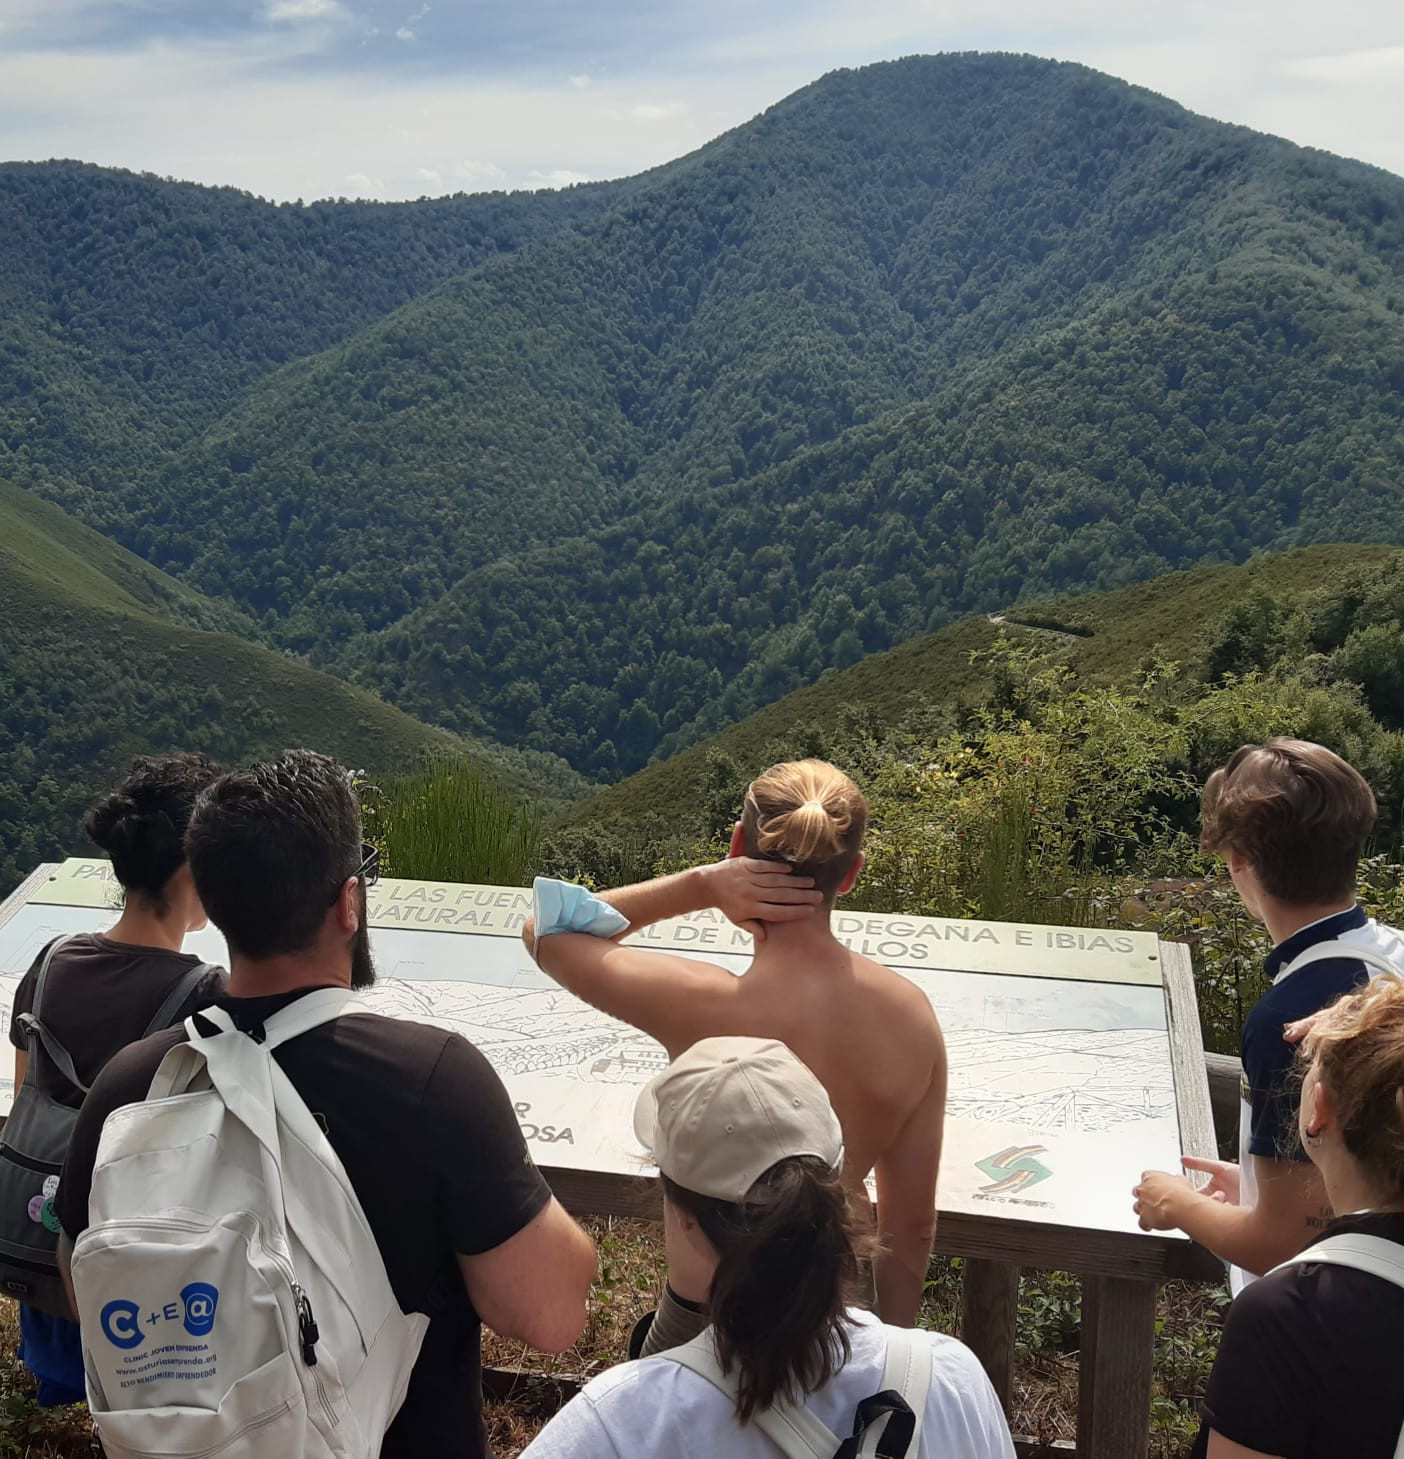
(444, 822)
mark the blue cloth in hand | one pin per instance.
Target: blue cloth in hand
(562, 906)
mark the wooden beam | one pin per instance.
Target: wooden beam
(1225, 1075)
(1187, 1052)
(1114, 1368)
(989, 1305)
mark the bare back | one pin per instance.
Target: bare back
(869, 1035)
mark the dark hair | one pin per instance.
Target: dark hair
(807, 813)
(141, 824)
(269, 847)
(1296, 812)
(788, 1266)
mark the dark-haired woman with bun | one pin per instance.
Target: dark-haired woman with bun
(758, 1224)
(103, 989)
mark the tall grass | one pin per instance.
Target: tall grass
(444, 822)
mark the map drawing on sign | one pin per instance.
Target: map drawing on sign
(1060, 1078)
(540, 1031)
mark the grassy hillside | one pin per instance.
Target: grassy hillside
(102, 658)
(1103, 637)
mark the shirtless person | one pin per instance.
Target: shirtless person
(867, 1033)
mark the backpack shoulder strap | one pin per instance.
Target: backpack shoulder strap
(176, 999)
(1322, 952)
(41, 977)
(888, 1425)
(37, 1036)
(310, 1011)
(908, 1371)
(1373, 1254)
(793, 1430)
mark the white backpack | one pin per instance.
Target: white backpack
(232, 1297)
(1373, 1254)
(886, 1426)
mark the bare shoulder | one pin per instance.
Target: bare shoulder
(899, 992)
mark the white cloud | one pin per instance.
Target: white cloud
(657, 112)
(282, 11)
(430, 175)
(1350, 67)
(360, 185)
(484, 175)
(404, 34)
(238, 110)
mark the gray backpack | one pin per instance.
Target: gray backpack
(33, 1146)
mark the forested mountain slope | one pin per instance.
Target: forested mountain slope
(136, 309)
(1207, 622)
(102, 657)
(925, 338)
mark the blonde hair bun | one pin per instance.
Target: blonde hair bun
(805, 812)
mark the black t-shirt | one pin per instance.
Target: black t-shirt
(1310, 1360)
(99, 997)
(433, 1150)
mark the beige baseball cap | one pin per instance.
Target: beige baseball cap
(720, 1115)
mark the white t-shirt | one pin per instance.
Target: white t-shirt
(657, 1409)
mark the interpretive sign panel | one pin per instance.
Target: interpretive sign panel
(1061, 1082)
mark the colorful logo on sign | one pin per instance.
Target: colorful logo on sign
(1013, 1169)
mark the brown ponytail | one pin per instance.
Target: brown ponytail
(810, 814)
(788, 1267)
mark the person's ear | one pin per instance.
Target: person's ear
(851, 876)
(347, 908)
(1318, 1109)
(738, 841)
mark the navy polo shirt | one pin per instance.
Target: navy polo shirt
(1271, 1095)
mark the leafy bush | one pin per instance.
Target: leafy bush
(444, 822)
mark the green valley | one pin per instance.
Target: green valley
(102, 658)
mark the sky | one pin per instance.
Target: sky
(395, 99)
